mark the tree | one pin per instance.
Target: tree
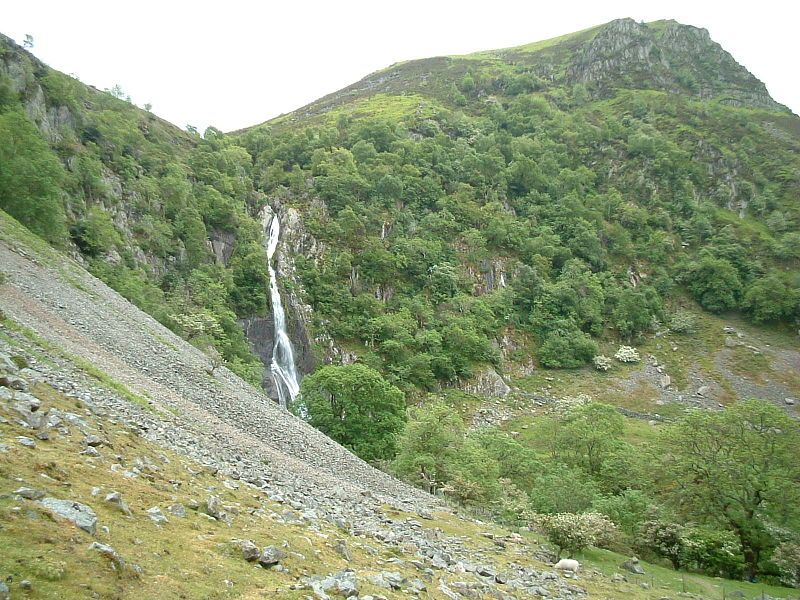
(429, 445)
(589, 434)
(31, 177)
(714, 283)
(736, 469)
(356, 406)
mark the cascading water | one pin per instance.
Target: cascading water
(282, 369)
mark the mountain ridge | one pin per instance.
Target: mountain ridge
(642, 39)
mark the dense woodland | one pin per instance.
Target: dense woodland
(599, 215)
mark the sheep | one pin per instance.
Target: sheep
(568, 564)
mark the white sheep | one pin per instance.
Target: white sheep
(568, 564)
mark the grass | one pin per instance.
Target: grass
(387, 106)
(662, 581)
(195, 557)
(185, 558)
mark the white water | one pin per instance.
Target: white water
(282, 369)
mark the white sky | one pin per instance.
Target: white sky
(234, 63)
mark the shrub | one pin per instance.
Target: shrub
(787, 559)
(601, 362)
(664, 539)
(627, 510)
(627, 354)
(714, 551)
(566, 349)
(683, 322)
(573, 532)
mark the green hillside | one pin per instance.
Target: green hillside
(572, 243)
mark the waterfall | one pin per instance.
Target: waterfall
(282, 368)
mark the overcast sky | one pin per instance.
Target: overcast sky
(233, 63)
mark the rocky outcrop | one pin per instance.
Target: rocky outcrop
(669, 56)
(486, 383)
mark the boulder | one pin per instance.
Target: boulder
(26, 441)
(156, 516)
(29, 493)
(390, 580)
(213, 507)
(115, 498)
(632, 565)
(13, 382)
(117, 562)
(250, 551)
(341, 584)
(4, 593)
(271, 556)
(93, 440)
(81, 515)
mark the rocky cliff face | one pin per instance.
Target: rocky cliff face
(665, 55)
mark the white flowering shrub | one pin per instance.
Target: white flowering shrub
(787, 559)
(627, 354)
(601, 362)
(683, 322)
(572, 532)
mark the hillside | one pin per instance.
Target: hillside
(179, 476)
(508, 278)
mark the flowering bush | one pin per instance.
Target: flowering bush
(713, 551)
(787, 559)
(601, 362)
(627, 354)
(683, 322)
(664, 539)
(573, 532)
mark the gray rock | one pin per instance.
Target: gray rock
(390, 580)
(270, 556)
(79, 514)
(4, 593)
(789, 401)
(177, 510)
(633, 566)
(342, 584)
(92, 452)
(26, 441)
(250, 551)
(14, 383)
(29, 493)
(156, 516)
(117, 562)
(115, 498)
(25, 584)
(448, 593)
(6, 364)
(213, 508)
(93, 440)
(342, 550)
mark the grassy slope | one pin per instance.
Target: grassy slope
(194, 557)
